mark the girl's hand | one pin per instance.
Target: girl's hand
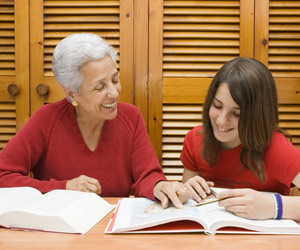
(248, 203)
(198, 187)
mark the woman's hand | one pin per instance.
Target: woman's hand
(198, 187)
(173, 190)
(85, 184)
(248, 203)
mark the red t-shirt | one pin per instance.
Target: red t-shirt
(51, 145)
(281, 159)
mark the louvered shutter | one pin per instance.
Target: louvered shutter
(195, 39)
(14, 67)
(284, 62)
(198, 37)
(52, 20)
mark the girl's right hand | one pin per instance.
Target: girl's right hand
(198, 187)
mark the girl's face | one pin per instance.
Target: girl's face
(224, 116)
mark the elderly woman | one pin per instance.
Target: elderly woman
(88, 141)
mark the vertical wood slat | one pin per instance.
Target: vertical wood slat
(155, 74)
(22, 61)
(261, 31)
(126, 50)
(36, 52)
(247, 28)
(141, 56)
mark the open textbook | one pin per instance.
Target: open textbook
(140, 215)
(64, 211)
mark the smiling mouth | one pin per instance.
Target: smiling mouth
(224, 129)
(109, 105)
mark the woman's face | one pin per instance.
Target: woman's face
(224, 116)
(99, 93)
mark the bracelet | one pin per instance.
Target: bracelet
(275, 207)
(278, 206)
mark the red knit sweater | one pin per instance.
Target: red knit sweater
(51, 146)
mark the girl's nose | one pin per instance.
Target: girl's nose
(223, 118)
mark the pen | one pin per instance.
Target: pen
(204, 202)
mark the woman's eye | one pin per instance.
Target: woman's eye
(99, 88)
(236, 115)
(115, 80)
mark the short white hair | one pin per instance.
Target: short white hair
(74, 51)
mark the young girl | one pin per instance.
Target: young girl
(241, 147)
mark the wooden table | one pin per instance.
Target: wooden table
(96, 239)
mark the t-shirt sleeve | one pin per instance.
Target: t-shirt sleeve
(283, 160)
(146, 170)
(187, 156)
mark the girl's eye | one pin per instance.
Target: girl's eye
(217, 106)
(236, 114)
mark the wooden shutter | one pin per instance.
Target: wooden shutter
(14, 67)
(277, 42)
(52, 20)
(190, 40)
(284, 62)
(197, 38)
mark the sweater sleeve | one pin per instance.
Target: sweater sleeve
(146, 169)
(24, 151)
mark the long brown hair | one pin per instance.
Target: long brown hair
(253, 88)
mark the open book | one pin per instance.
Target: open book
(64, 211)
(140, 215)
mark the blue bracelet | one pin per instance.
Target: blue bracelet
(278, 206)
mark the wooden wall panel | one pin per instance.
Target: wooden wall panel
(52, 20)
(14, 67)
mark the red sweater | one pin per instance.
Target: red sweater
(51, 146)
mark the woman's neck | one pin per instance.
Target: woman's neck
(90, 130)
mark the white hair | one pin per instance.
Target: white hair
(74, 51)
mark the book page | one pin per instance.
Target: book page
(16, 197)
(59, 211)
(53, 202)
(218, 217)
(139, 213)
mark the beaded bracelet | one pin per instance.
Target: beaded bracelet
(278, 206)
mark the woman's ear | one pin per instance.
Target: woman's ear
(69, 93)
(70, 96)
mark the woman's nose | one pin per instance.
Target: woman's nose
(112, 91)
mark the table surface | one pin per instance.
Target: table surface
(97, 239)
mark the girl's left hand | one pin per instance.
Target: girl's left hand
(248, 203)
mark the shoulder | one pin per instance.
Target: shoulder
(50, 113)
(281, 146)
(124, 108)
(53, 109)
(128, 113)
(195, 133)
